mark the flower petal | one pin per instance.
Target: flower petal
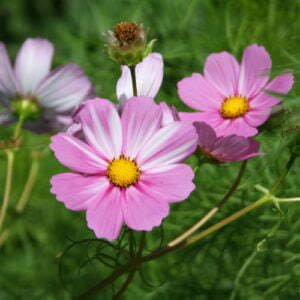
(33, 63)
(169, 114)
(102, 127)
(257, 117)
(235, 148)
(198, 93)
(263, 101)
(172, 183)
(237, 126)
(212, 118)
(206, 135)
(64, 88)
(142, 211)
(105, 217)
(171, 144)
(78, 192)
(222, 71)
(76, 155)
(149, 76)
(8, 84)
(141, 118)
(124, 85)
(281, 84)
(254, 72)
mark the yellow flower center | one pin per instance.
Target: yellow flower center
(234, 107)
(123, 172)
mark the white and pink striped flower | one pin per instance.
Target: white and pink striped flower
(57, 92)
(126, 169)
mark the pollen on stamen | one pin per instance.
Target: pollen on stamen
(123, 172)
(234, 107)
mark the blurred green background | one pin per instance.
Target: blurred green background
(257, 257)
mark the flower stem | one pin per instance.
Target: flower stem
(228, 220)
(18, 128)
(281, 178)
(213, 211)
(133, 78)
(8, 183)
(131, 274)
(35, 164)
(124, 286)
(131, 267)
(3, 237)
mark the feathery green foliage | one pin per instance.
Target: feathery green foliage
(256, 257)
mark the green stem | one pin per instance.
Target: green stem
(124, 286)
(133, 78)
(281, 178)
(240, 274)
(131, 266)
(30, 182)
(228, 220)
(131, 274)
(8, 183)
(3, 237)
(18, 128)
(213, 211)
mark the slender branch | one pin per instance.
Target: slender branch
(124, 286)
(296, 199)
(18, 128)
(108, 280)
(214, 210)
(133, 78)
(35, 164)
(281, 178)
(228, 220)
(130, 277)
(4, 236)
(142, 244)
(8, 183)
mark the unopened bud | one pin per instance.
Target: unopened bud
(127, 44)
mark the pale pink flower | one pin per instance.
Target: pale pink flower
(224, 149)
(126, 169)
(233, 98)
(57, 92)
(149, 77)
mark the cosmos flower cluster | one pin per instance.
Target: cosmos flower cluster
(126, 160)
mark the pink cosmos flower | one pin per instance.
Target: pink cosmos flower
(149, 77)
(126, 169)
(57, 92)
(233, 98)
(224, 149)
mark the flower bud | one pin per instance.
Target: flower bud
(127, 44)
